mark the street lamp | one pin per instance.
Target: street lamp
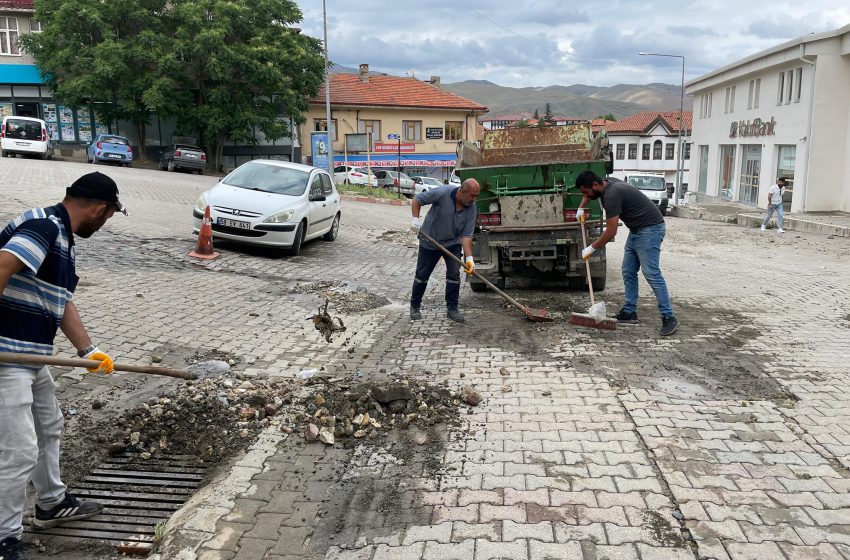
(328, 121)
(680, 157)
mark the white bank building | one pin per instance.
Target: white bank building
(784, 112)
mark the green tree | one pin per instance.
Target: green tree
(537, 114)
(239, 69)
(522, 123)
(547, 115)
(102, 54)
(608, 117)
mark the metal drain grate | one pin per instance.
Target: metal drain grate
(136, 496)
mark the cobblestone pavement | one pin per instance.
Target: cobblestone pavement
(728, 440)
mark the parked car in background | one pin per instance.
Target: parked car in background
(653, 186)
(425, 184)
(183, 156)
(25, 136)
(350, 175)
(454, 179)
(390, 180)
(109, 147)
(273, 204)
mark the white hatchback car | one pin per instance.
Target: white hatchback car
(273, 204)
(26, 136)
(350, 175)
(425, 184)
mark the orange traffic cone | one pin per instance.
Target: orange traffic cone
(204, 248)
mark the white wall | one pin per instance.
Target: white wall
(667, 167)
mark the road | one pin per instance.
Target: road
(730, 439)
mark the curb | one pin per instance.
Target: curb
(754, 220)
(369, 200)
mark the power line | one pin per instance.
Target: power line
(508, 29)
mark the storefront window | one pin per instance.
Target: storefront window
(727, 171)
(785, 168)
(750, 174)
(702, 186)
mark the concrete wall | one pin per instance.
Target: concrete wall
(829, 182)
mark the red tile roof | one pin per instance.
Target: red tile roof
(17, 4)
(640, 122)
(392, 91)
(598, 124)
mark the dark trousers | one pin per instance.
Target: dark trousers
(425, 263)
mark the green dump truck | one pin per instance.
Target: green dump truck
(527, 234)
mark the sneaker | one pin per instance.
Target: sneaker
(625, 317)
(415, 314)
(11, 549)
(669, 325)
(455, 316)
(763, 227)
(780, 230)
(70, 509)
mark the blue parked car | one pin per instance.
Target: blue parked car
(109, 147)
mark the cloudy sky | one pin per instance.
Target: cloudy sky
(525, 43)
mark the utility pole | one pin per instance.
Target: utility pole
(328, 121)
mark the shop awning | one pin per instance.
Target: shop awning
(20, 74)
(392, 160)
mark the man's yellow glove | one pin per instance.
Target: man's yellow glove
(469, 266)
(106, 366)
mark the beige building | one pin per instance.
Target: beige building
(411, 123)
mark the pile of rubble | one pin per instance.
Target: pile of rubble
(353, 301)
(366, 410)
(208, 419)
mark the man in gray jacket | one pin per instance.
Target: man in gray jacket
(451, 223)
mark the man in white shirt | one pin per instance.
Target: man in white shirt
(774, 204)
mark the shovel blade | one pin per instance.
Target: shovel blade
(539, 315)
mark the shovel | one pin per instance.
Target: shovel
(39, 360)
(536, 315)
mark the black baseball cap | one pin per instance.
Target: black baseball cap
(96, 186)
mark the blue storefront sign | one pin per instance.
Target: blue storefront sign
(319, 145)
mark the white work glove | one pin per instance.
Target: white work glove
(580, 215)
(587, 251)
(469, 266)
(415, 223)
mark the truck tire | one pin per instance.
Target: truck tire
(598, 283)
(478, 287)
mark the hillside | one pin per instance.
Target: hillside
(576, 100)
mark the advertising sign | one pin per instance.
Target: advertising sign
(319, 149)
(434, 133)
(356, 142)
(394, 147)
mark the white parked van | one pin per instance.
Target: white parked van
(25, 135)
(653, 186)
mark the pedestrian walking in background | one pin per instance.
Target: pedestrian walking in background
(774, 204)
(451, 223)
(622, 201)
(37, 284)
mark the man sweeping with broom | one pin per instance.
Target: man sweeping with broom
(622, 201)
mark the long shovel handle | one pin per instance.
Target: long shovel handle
(490, 285)
(587, 265)
(38, 360)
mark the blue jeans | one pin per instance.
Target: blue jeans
(643, 252)
(770, 209)
(425, 263)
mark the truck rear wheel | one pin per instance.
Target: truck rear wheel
(598, 283)
(478, 286)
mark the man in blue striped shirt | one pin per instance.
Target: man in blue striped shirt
(37, 283)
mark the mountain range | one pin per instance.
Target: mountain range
(579, 100)
(582, 101)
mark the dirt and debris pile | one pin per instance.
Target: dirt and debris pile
(407, 237)
(208, 419)
(354, 301)
(326, 324)
(338, 411)
(311, 288)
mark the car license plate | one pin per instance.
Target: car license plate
(115, 156)
(23, 143)
(233, 223)
(191, 156)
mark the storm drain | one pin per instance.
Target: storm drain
(136, 496)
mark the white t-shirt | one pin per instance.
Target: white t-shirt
(774, 195)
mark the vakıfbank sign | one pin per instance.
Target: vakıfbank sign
(756, 127)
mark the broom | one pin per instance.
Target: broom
(595, 317)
